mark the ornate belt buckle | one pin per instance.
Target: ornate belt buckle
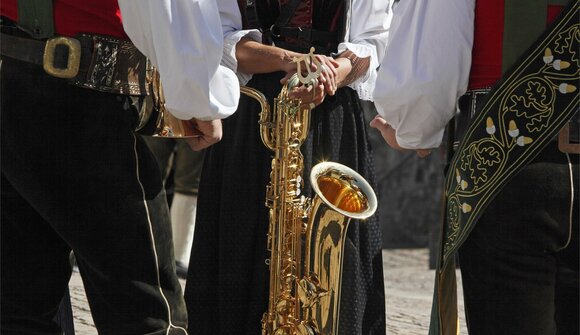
(74, 57)
(564, 143)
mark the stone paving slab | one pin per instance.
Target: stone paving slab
(408, 289)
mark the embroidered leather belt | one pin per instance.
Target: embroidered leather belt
(95, 62)
(568, 138)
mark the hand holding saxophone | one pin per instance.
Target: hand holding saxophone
(254, 57)
(318, 75)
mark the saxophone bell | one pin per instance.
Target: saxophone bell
(341, 194)
(343, 190)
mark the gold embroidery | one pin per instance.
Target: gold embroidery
(524, 109)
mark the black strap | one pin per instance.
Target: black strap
(286, 13)
(251, 18)
(36, 18)
(305, 34)
(280, 30)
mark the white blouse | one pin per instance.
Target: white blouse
(183, 39)
(425, 69)
(368, 22)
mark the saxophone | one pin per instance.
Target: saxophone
(306, 236)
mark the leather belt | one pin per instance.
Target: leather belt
(95, 62)
(467, 106)
(568, 138)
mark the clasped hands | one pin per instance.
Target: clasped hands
(210, 132)
(327, 82)
(331, 73)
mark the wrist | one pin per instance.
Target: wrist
(348, 55)
(287, 63)
(344, 69)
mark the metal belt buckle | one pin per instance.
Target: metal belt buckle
(564, 143)
(74, 57)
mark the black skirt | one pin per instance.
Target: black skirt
(227, 285)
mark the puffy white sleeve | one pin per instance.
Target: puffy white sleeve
(231, 19)
(425, 69)
(183, 39)
(367, 32)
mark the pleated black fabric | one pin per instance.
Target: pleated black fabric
(227, 287)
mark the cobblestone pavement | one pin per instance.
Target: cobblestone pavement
(408, 288)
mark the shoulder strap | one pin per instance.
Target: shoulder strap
(519, 117)
(36, 17)
(249, 13)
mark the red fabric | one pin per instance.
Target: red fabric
(488, 42)
(553, 12)
(73, 16)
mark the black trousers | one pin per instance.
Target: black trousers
(75, 176)
(64, 316)
(520, 263)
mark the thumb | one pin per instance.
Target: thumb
(286, 77)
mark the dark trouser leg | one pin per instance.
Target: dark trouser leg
(568, 280)
(71, 154)
(162, 149)
(64, 316)
(516, 277)
(187, 169)
(35, 268)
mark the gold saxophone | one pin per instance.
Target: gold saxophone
(306, 236)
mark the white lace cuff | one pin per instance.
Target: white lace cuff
(364, 85)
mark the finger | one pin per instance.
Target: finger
(328, 67)
(335, 64)
(329, 82)
(312, 98)
(285, 79)
(314, 92)
(196, 143)
(202, 142)
(321, 92)
(332, 65)
(318, 93)
(301, 92)
(318, 97)
(333, 71)
(319, 60)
